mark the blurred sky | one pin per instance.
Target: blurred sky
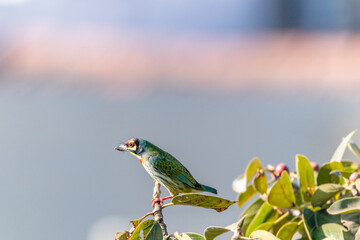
(213, 83)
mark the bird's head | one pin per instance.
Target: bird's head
(134, 146)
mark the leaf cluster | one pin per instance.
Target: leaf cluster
(303, 204)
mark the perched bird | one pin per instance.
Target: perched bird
(163, 168)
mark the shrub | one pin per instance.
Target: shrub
(310, 203)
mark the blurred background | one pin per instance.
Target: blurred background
(215, 83)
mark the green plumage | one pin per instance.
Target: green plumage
(166, 169)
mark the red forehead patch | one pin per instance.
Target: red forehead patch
(131, 140)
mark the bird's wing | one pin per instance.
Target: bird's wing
(171, 167)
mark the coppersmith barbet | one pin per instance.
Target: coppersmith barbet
(164, 168)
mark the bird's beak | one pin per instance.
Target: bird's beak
(122, 148)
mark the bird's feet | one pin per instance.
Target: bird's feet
(161, 200)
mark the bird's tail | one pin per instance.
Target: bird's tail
(209, 189)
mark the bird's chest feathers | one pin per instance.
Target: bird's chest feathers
(142, 160)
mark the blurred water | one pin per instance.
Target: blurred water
(61, 178)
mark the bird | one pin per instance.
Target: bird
(164, 168)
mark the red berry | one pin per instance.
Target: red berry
(280, 168)
(315, 166)
(354, 176)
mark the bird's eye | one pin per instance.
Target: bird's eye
(131, 144)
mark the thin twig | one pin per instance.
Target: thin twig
(145, 216)
(158, 216)
(167, 205)
(282, 217)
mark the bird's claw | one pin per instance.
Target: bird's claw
(155, 200)
(160, 200)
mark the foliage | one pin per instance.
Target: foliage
(303, 204)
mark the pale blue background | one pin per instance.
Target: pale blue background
(59, 175)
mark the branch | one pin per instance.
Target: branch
(158, 216)
(238, 234)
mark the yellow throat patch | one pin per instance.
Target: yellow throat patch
(140, 159)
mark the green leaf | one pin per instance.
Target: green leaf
(333, 231)
(281, 194)
(350, 164)
(344, 173)
(187, 236)
(265, 226)
(250, 213)
(339, 152)
(262, 235)
(273, 216)
(348, 171)
(151, 230)
(325, 192)
(345, 205)
(314, 221)
(287, 231)
(259, 218)
(354, 148)
(136, 222)
(212, 232)
(298, 199)
(252, 168)
(306, 177)
(260, 183)
(205, 201)
(122, 235)
(239, 185)
(245, 196)
(324, 173)
(281, 221)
